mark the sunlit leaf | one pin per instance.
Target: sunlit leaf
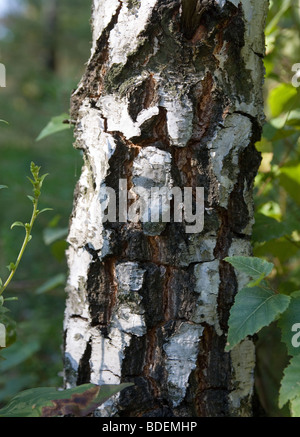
(272, 25)
(294, 118)
(256, 268)
(280, 99)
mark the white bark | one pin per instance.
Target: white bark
(104, 119)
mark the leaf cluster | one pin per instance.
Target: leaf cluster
(256, 306)
(270, 302)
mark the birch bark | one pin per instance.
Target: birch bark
(171, 97)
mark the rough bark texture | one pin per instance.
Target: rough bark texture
(172, 96)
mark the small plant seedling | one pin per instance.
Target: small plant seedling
(37, 182)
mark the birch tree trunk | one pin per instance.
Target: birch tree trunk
(171, 97)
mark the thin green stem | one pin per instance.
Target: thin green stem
(28, 230)
(37, 183)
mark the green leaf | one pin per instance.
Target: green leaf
(41, 179)
(44, 210)
(3, 310)
(281, 99)
(11, 267)
(256, 268)
(55, 125)
(267, 228)
(288, 324)
(269, 131)
(253, 309)
(289, 179)
(31, 198)
(290, 383)
(17, 224)
(17, 353)
(48, 402)
(272, 25)
(295, 407)
(2, 186)
(31, 180)
(51, 235)
(294, 118)
(280, 248)
(52, 283)
(4, 121)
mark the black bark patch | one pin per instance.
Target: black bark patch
(134, 357)
(227, 290)
(238, 214)
(137, 245)
(135, 400)
(141, 96)
(182, 300)
(210, 383)
(100, 294)
(194, 12)
(84, 368)
(153, 294)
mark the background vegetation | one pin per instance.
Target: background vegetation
(44, 45)
(276, 233)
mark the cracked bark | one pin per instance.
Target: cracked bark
(171, 97)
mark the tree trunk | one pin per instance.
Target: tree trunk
(171, 97)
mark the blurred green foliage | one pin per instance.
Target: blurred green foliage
(44, 46)
(276, 233)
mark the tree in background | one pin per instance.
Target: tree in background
(171, 97)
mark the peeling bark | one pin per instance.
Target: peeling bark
(171, 97)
